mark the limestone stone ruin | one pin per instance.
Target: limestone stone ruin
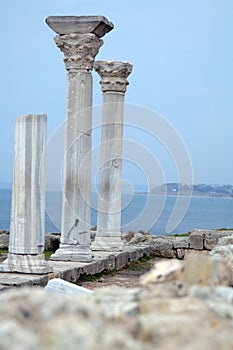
(79, 38)
(27, 229)
(113, 81)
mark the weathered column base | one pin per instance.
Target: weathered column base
(108, 243)
(26, 263)
(73, 252)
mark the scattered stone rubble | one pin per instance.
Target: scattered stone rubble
(177, 246)
(183, 304)
(162, 246)
(157, 246)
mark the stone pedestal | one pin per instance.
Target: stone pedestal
(79, 40)
(113, 80)
(27, 231)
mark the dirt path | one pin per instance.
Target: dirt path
(127, 277)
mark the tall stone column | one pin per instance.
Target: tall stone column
(113, 81)
(27, 229)
(79, 40)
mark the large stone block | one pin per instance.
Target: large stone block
(180, 242)
(162, 247)
(122, 259)
(196, 240)
(98, 25)
(60, 286)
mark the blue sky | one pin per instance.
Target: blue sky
(182, 55)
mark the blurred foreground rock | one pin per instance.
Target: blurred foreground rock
(183, 305)
(195, 269)
(117, 318)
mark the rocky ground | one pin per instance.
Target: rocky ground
(180, 304)
(157, 303)
(128, 277)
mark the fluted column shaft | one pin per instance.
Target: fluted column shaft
(77, 160)
(27, 216)
(27, 229)
(79, 51)
(113, 81)
(79, 40)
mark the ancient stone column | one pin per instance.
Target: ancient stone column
(27, 229)
(79, 40)
(113, 81)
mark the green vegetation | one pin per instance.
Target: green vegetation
(3, 251)
(214, 229)
(181, 234)
(48, 253)
(93, 278)
(143, 263)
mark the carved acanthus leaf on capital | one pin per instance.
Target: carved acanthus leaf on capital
(113, 75)
(79, 50)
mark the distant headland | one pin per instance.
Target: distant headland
(200, 190)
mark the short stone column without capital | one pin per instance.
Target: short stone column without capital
(113, 81)
(27, 229)
(79, 40)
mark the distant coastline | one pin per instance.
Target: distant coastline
(200, 190)
(170, 189)
(184, 195)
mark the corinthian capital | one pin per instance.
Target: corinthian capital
(113, 75)
(79, 50)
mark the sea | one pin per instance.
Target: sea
(154, 213)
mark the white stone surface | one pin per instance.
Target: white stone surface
(108, 242)
(76, 209)
(113, 80)
(27, 231)
(98, 25)
(79, 54)
(73, 252)
(60, 286)
(26, 263)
